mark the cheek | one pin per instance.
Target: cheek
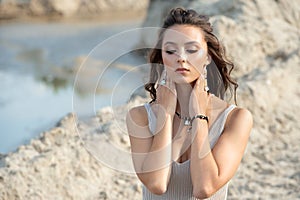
(198, 60)
(197, 57)
(168, 59)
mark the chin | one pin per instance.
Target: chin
(184, 81)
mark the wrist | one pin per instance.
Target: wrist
(200, 117)
(204, 149)
(162, 111)
(164, 117)
(195, 113)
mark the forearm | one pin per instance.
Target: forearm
(157, 163)
(204, 169)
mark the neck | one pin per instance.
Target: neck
(183, 98)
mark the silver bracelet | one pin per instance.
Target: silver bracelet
(200, 117)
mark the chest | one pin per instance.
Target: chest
(182, 138)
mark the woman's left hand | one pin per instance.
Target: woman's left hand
(199, 99)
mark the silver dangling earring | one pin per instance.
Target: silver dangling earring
(164, 77)
(206, 88)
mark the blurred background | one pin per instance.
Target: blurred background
(42, 45)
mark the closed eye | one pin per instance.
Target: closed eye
(191, 51)
(170, 51)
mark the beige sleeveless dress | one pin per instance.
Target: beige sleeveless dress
(180, 185)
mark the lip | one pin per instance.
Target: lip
(181, 70)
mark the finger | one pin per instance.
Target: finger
(200, 84)
(169, 82)
(173, 87)
(162, 78)
(209, 97)
(197, 83)
(163, 74)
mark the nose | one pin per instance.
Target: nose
(181, 58)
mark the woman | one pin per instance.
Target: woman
(187, 143)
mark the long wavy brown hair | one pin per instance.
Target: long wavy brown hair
(219, 80)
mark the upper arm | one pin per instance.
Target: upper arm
(229, 149)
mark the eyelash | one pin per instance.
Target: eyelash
(191, 51)
(173, 51)
(170, 51)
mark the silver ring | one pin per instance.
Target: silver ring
(163, 82)
(206, 89)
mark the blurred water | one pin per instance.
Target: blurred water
(34, 93)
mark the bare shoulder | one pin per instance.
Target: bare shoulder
(138, 115)
(241, 114)
(236, 116)
(239, 119)
(137, 125)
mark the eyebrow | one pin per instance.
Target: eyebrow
(187, 43)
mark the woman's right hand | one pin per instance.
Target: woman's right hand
(166, 96)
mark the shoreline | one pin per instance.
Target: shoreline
(69, 10)
(118, 17)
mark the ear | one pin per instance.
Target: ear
(208, 59)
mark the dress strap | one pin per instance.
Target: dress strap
(151, 118)
(217, 128)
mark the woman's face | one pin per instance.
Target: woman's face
(184, 53)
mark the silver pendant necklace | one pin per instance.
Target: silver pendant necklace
(187, 121)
